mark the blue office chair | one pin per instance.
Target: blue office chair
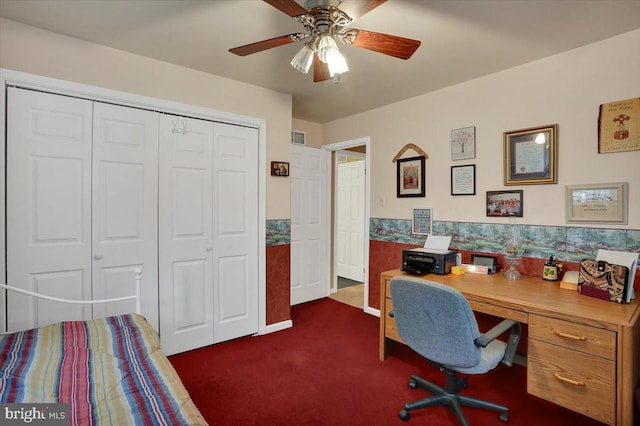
(437, 322)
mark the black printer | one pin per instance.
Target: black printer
(421, 261)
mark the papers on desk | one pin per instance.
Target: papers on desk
(630, 260)
(437, 244)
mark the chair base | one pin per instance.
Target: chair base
(449, 397)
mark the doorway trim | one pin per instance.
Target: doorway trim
(339, 146)
(95, 93)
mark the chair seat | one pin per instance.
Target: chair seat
(490, 358)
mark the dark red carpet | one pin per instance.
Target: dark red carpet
(325, 371)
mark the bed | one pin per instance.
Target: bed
(111, 371)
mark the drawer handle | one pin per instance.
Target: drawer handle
(571, 382)
(571, 336)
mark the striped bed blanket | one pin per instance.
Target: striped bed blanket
(111, 371)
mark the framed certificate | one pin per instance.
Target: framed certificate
(597, 203)
(463, 180)
(530, 156)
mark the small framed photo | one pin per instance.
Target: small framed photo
(422, 220)
(279, 168)
(463, 180)
(490, 262)
(411, 177)
(463, 143)
(505, 203)
(599, 203)
(530, 156)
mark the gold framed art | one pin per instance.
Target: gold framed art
(530, 156)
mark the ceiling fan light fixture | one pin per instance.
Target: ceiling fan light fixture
(337, 64)
(326, 47)
(303, 59)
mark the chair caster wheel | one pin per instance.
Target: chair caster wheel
(404, 415)
(504, 417)
(413, 384)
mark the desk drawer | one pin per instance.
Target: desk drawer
(390, 329)
(572, 379)
(583, 338)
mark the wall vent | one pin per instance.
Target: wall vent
(298, 138)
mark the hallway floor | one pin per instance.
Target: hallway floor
(352, 295)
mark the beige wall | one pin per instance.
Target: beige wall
(566, 89)
(313, 132)
(27, 49)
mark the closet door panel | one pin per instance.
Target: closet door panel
(235, 231)
(125, 202)
(185, 232)
(48, 205)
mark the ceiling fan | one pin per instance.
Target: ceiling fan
(324, 24)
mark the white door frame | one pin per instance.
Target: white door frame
(366, 141)
(69, 88)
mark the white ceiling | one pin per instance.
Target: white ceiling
(461, 40)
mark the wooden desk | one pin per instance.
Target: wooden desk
(582, 353)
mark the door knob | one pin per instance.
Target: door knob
(97, 257)
(209, 248)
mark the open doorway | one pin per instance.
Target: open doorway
(349, 183)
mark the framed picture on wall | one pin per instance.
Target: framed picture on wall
(410, 177)
(422, 221)
(279, 168)
(530, 156)
(505, 203)
(597, 203)
(463, 180)
(463, 143)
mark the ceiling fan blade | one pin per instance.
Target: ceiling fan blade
(399, 47)
(259, 46)
(290, 7)
(320, 70)
(357, 8)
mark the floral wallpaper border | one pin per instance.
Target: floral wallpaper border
(565, 243)
(278, 232)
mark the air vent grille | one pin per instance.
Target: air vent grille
(298, 138)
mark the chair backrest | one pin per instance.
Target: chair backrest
(436, 321)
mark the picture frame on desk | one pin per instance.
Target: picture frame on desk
(491, 262)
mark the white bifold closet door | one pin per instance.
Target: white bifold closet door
(208, 233)
(81, 206)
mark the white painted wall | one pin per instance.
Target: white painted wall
(28, 49)
(566, 89)
(313, 132)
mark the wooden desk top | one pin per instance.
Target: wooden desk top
(533, 295)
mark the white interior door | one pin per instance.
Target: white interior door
(235, 231)
(185, 234)
(309, 222)
(125, 202)
(48, 206)
(350, 218)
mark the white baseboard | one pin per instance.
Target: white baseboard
(372, 311)
(278, 326)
